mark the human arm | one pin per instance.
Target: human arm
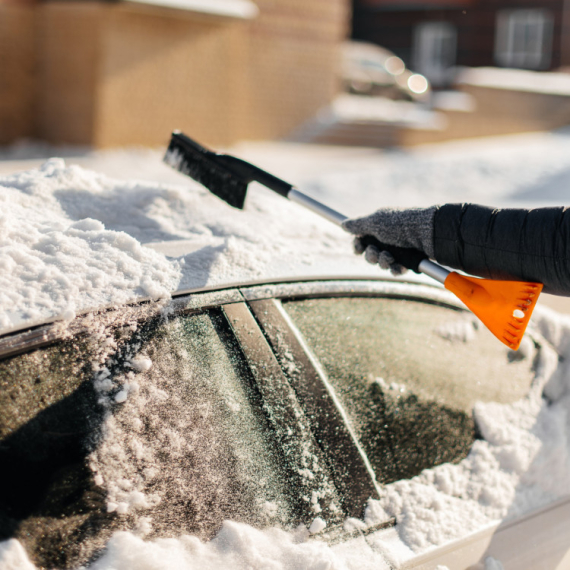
(513, 243)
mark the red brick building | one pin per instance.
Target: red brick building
(432, 36)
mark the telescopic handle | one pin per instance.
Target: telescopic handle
(324, 211)
(410, 258)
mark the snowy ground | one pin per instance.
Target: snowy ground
(515, 170)
(71, 238)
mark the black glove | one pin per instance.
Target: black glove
(394, 239)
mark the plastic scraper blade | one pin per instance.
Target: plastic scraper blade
(504, 307)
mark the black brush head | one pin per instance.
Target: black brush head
(207, 168)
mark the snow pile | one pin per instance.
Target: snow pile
(530, 170)
(355, 107)
(52, 265)
(14, 557)
(244, 9)
(237, 546)
(522, 463)
(553, 83)
(72, 240)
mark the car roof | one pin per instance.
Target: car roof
(74, 241)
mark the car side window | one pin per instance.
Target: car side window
(49, 413)
(407, 374)
(155, 426)
(198, 414)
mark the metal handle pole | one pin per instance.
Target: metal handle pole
(427, 267)
(316, 206)
(434, 270)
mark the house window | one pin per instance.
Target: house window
(435, 45)
(524, 38)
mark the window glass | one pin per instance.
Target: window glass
(156, 428)
(524, 38)
(48, 413)
(202, 420)
(408, 374)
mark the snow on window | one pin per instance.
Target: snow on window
(156, 428)
(192, 443)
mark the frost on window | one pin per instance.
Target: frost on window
(191, 446)
(407, 388)
(153, 426)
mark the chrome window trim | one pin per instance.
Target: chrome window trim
(37, 336)
(207, 300)
(309, 289)
(353, 474)
(40, 336)
(307, 464)
(22, 342)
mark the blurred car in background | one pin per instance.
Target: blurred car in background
(368, 69)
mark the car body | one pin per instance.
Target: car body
(369, 69)
(185, 385)
(271, 404)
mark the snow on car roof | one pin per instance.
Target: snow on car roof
(71, 240)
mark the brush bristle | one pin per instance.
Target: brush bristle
(207, 171)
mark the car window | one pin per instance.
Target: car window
(408, 374)
(200, 402)
(47, 404)
(163, 434)
(48, 412)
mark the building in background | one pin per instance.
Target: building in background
(128, 72)
(434, 36)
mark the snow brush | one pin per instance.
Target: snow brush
(504, 307)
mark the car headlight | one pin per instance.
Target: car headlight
(418, 83)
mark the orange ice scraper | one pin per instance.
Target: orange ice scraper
(504, 307)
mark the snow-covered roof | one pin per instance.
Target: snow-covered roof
(552, 83)
(242, 9)
(72, 240)
(358, 108)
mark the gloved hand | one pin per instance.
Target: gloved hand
(410, 229)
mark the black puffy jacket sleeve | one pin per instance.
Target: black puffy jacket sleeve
(515, 244)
